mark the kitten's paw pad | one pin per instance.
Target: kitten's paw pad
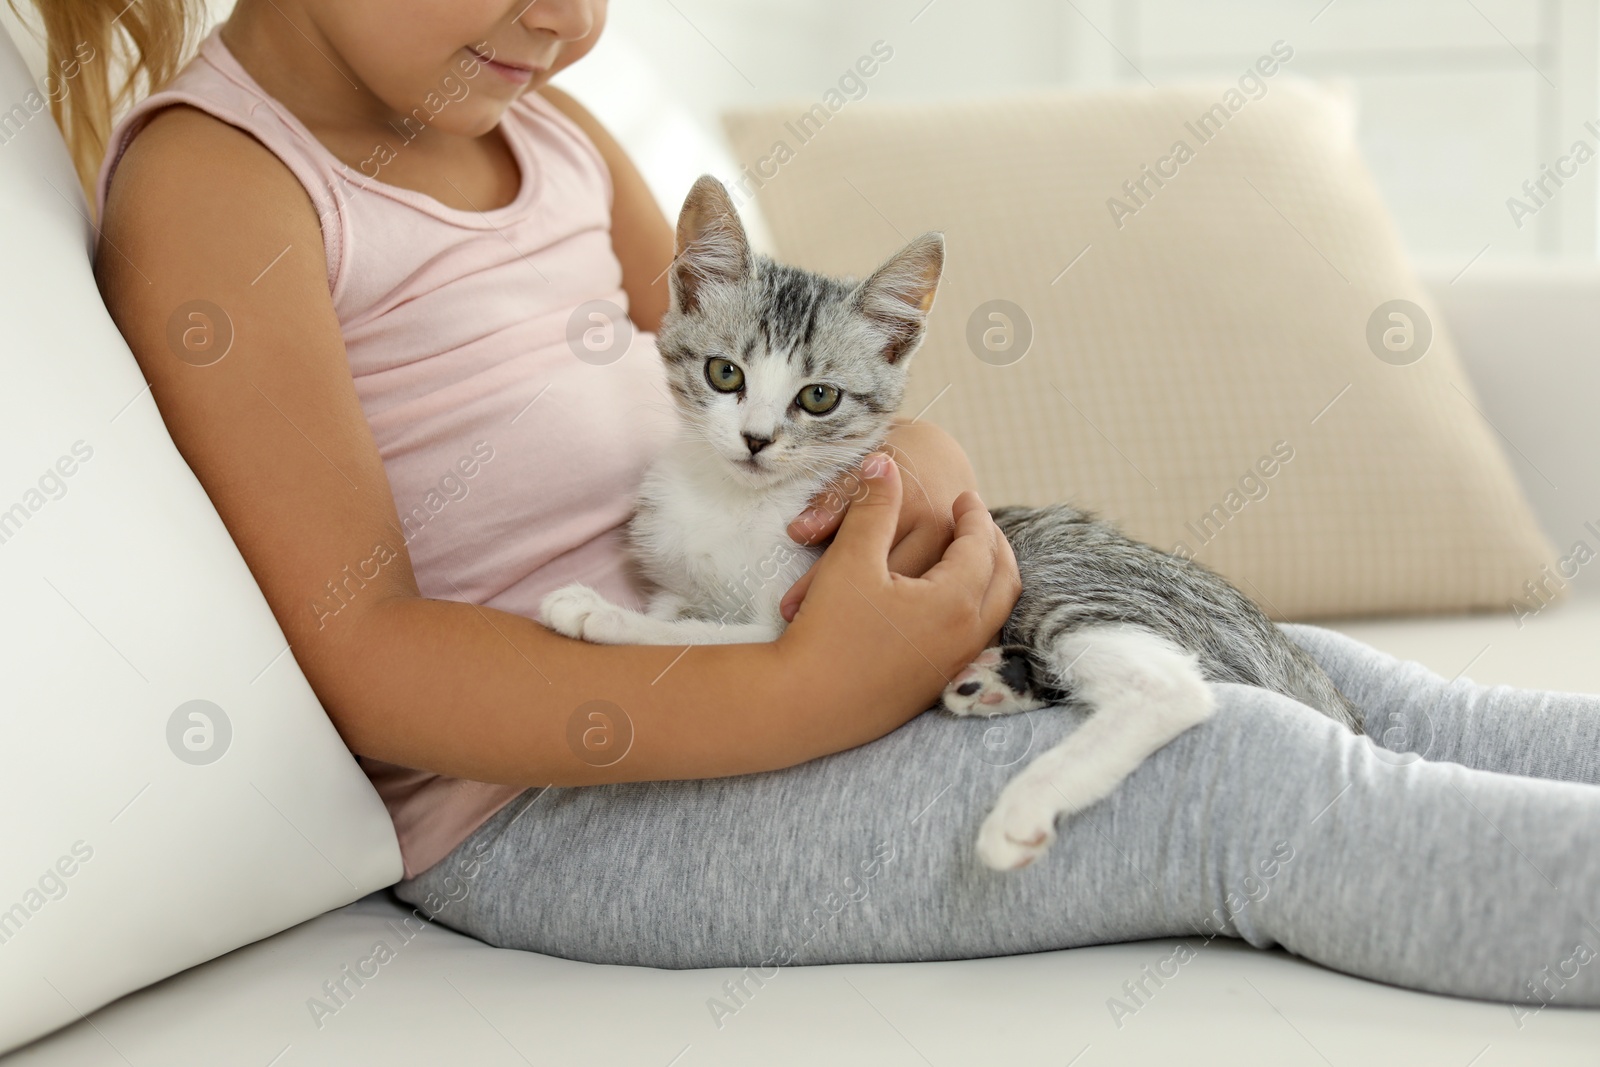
(576, 611)
(1016, 833)
(989, 657)
(996, 683)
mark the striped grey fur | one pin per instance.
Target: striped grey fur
(1079, 571)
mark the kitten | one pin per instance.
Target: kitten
(784, 379)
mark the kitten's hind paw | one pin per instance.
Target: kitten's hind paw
(1019, 829)
(998, 682)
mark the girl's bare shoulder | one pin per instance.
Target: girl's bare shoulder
(183, 155)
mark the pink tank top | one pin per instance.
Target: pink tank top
(513, 462)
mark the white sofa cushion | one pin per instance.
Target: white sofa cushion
(138, 841)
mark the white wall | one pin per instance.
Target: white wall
(1461, 100)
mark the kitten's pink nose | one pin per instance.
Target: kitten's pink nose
(754, 443)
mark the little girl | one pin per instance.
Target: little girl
(353, 246)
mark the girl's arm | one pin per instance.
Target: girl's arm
(641, 236)
(276, 436)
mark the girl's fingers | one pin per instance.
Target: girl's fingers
(825, 511)
(790, 604)
(969, 561)
(870, 524)
(1001, 595)
(918, 550)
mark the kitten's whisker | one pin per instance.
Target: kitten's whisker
(693, 424)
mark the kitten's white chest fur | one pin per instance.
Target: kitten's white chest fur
(717, 545)
(716, 548)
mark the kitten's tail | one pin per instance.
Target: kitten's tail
(1311, 685)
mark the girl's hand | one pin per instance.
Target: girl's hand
(896, 641)
(936, 470)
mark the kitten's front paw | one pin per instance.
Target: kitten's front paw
(573, 610)
(996, 683)
(1021, 826)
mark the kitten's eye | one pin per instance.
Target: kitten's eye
(819, 399)
(724, 376)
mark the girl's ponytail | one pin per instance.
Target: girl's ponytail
(104, 54)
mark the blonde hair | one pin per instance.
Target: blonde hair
(88, 43)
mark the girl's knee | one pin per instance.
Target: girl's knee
(1259, 743)
(1247, 712)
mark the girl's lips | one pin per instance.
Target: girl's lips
(511, 72)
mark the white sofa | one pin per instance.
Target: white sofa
(1529, 337)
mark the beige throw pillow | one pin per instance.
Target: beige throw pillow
(1177, 307)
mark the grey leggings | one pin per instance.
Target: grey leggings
(1462, 856)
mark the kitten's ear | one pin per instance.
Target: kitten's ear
(712, 248)
(899, 294)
